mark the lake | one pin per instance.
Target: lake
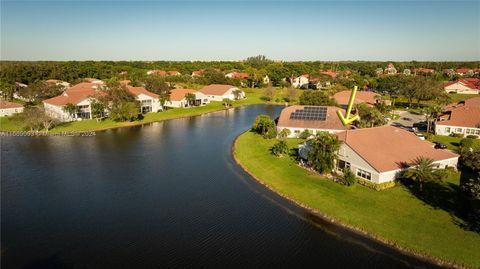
(167, 194)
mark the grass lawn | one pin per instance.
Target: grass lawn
(451, 142)
(253, 97)
(395, 214)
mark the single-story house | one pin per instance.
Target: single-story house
(343, 97)
(57, 82)
(198, 73)
(314, 118)
(379, 154)
(163, 73)
(462, 118)
(237, 75)
(9, 108)
(218, 92)
(178, 99)
(464, 86)
(300, 81)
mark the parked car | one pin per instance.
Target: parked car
(439, 145)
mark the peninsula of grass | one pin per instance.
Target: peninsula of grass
(395, 216)
(253, 97)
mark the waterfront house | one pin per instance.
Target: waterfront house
(218, 92)
(149, 101)
(9, 108)
(314, 118)
(178, 98)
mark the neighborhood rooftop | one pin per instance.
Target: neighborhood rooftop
(331, 120)
(388, 148)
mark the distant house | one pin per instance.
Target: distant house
(461, 118)
(237, 75)
(343, 97)
(329, 73)
(163, 73)
(314, 118)
(57, 82)
(300, 81)
(464, 71)
(9, 108)
(198, 73)
(178, 99)
(379, 154)
(83, 94)
(390, 70)
(463, 86)
(266, 79)
(424, 71)
(218, 92)
(407, 72)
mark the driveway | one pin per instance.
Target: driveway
(409, 119)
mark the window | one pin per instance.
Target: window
(447, 129)
(364, 174)
(458, 130)
(342, 164)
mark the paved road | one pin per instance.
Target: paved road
(407, 119)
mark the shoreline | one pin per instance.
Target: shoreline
(332, 220)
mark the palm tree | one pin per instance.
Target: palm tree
(323, 152)
(431, 113)
(423, 170)
(190, 99)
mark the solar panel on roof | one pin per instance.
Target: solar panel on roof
(310, 113)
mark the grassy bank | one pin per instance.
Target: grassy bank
(253, 97)
(394, 215)
(451, 142)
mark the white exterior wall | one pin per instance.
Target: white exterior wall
(180, 103)
(295, 132)
(57, 112)
(460, 88)
(228, 94)
(10, 111)
(347, 154)
(156, 106)
(448, 129)
(299, 81)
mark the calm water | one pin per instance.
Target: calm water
(163, 195)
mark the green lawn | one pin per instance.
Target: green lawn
(451, 142)
(253, 97)
(395, 214)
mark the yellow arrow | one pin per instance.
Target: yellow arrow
(347, 120)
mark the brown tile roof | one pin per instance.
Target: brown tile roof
(472, 83)
(343, 97)
(216, 89)
(5, 104)
(464, 116)
(238, 75)
(388, 148)
(140, 90)
(332, 121)
(474, 102)
(179, 94)
(74, 94)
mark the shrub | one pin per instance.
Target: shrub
(456, 135)
(305, 134)
(284, 133)
(265, 126)
(280, 148)
(472, 136)
(375, 186)
(348, 178)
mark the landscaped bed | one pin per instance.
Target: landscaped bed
(395, 215)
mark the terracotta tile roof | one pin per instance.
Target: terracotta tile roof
(5, 104)
(74, 94)
(140, 90)
(216, 89)
(462, 70)
(387, 148)
(464, 116)
(472, 83)
(474, 102)
(179, 94)
(198, 72)
(332, 121)
(343, 97)
(423, 70)
(329, 72)
(238, 75)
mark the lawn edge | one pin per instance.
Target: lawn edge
(355, 229)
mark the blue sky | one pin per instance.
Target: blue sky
(233, 30)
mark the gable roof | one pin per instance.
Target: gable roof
(332, 122)
(343, 97)
(464, 116)
(216, 89)
(5, 104)
(140, 90)
(388, 148)
(472, 83)
(74, 94)
(179, 94)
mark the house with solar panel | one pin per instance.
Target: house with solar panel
(314, 118)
